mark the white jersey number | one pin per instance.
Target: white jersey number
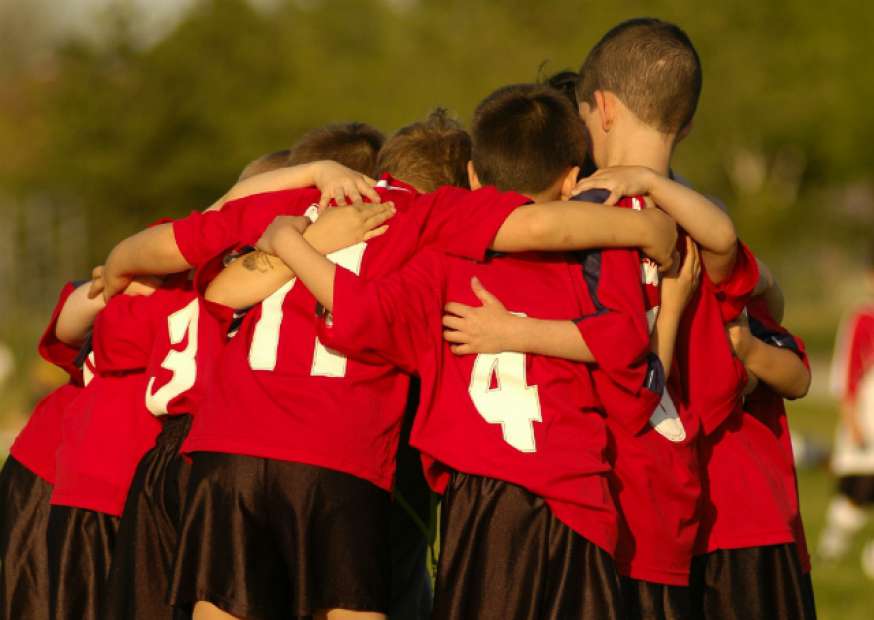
(265, 338)
(182, 363)
(512, 403)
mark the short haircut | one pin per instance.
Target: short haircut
(652, 67)
(525, 136)
(428, 154)
(265, 163)
(355, 145)
(565, 82)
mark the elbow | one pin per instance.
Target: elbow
(724, 238)
(541, 229)
(801, 387)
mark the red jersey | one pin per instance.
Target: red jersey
(38, 441)
(107, 428)
(277, 392)
(750, 496)
(186, 340)
(530, 420)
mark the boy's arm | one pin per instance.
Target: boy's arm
(780, 367)
(769, 290)
(335, 181)
(255, 276)
(560, 225)
(490, 328)
(77, 315)
(707, 224)
(677, 289)
(152, 251)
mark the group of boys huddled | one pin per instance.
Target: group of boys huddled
(592, 369)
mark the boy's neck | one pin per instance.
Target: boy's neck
(643, 147)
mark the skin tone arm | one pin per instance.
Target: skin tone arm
(255, 276)
(490, 328)
(705, 222)
(79, 311)
(154, 251)
(780, 368)
(769, 288)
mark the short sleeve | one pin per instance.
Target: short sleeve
(617, 333)
(396, 316)
(124, 333)
(464, 223)
(735, 291)
(53, 350)
(201, 236)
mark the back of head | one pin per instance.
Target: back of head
(265, 163)
(525, 136)
(652, 67)
(565, 82)
(355, 145)
(428, 154)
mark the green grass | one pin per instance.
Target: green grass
(842, 591)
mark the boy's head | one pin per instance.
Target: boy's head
(644, 70)
(565, 82)
(428, 154)
(355, 145)
(265, 163)
(527, 138)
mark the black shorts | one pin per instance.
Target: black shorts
(645, 600)
(80, 550)
(751, 584)
(265, 539)
(411, 594)
(504, 556)
(858, 489)
(24, 563)
(139, 578)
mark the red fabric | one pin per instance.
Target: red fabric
(734, 292)
(750, 494)
(655, 479)
(860, 352)
(38, 441)
(187, 340)
(554, 445)
(107, 429)
(297, 405)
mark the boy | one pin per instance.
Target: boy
(750, 514)
(260, 350)
(638, 91)
(516, 444)
(853, 461)
(27, 478)
(185, 341)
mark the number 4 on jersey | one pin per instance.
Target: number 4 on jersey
(501, 394)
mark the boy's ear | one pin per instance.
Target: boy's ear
(472, 177)
(570, 181)
(685, 131)
(606, 104)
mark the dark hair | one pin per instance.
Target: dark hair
(524, 137)
(428, 154)
(355, 145)
(265, 163)
(565, 82)
(651, 66)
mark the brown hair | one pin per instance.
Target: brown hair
(525, 136)
(651, 66)
(265, 163)
(428, 154)
(355, 145)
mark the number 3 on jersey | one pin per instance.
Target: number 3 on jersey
(182, 363)
(507, 400)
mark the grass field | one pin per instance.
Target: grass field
(842, 591)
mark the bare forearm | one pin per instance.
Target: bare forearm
(149, 252)
(249, 280)
(77, 316)
(664, 338)
(570, 226)
(284, 178)
(314, 270)
(559, 339)
(780, 368)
